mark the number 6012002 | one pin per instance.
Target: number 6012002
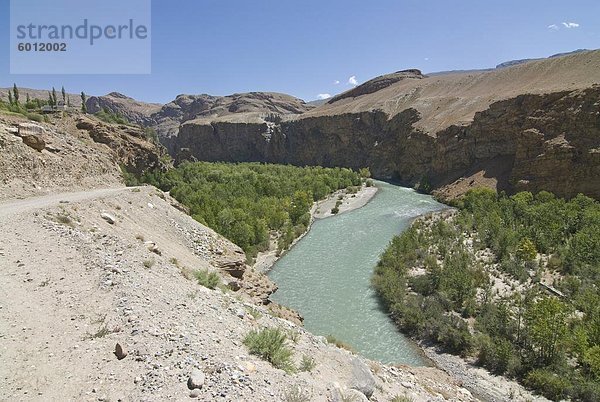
(41, 47)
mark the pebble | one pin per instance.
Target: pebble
(108, 218)
(120, 351)
(196, 379)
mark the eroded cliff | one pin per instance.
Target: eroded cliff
(529, 127)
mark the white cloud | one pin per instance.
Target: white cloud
(336, 82)
(352, 81)
(426, 58)
(553, 26)
(323, 96)
(570, 25)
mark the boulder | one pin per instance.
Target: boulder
(362, 378)
(34, 141)
(342, 395)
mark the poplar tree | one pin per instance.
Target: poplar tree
(83, 100)
(16, 94)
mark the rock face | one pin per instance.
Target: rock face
(131, 109)
(530, 127)
(128, 143)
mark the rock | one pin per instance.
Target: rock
(30, 129)
(343, 395)
(34, 141)
(108, 218)
(196, 379)
(362, 378)
(240, 313)
(195, 393)
(249, 367)
(233, 266)
(120, 351)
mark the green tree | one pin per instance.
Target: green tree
(526, 250)
(10, 98)
(547, 328)
(54, 100)
(83, 101)
(64, 95)
(592, 361)
(301, 203)
(16, 94)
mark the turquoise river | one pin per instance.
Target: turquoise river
(326, 275)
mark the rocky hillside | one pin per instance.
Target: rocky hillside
(167, 119)
(527, 127)
(100, 302)
(70, 152)
(129, 108)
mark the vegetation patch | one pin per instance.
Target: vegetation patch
(513, 281)
(270, 345)
(207, 278)
(246, 202)
(334, 341)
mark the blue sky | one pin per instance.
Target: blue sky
(304, 47)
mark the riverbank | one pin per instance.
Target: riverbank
(320, 210)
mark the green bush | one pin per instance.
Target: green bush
(109, 117)
(269, 344)
(547, 383)
(207, 279)
(307, 363)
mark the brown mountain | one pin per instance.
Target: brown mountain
(531, 126)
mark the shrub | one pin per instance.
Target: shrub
(547, 383)
(401, 398)
(207, 279)
(335, 210)
(269, 344)
(297, 394)
(35, 117)
(307, 363)
(333, 340)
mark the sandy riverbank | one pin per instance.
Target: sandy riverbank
(320, 210)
